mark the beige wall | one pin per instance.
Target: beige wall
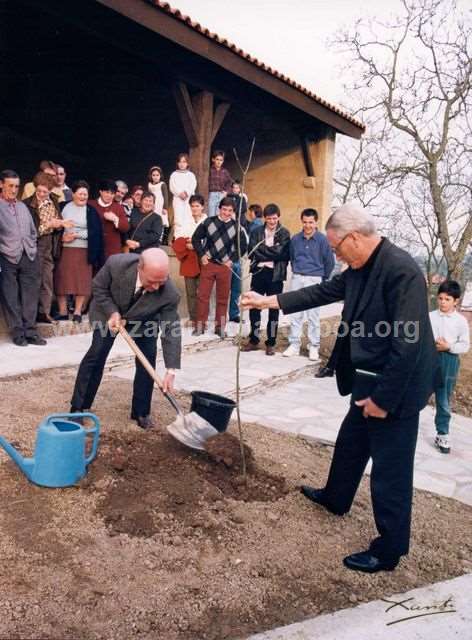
(281, 177)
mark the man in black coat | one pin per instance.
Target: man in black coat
(385, 358)
(269, 252)
(135, 290)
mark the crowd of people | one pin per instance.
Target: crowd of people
(55, 238)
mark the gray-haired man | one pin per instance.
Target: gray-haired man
(135, 289)
(19, 263)
(385, 358)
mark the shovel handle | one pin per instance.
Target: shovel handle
(140, 356)
(147, 365)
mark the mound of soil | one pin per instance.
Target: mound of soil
(161, 487)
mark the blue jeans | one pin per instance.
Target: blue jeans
(449, 363)
(214, 198)
(235, 291)
(312, 315)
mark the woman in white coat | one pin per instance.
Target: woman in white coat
(182, 184)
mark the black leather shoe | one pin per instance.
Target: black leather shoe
(316, 496)
(324, 372)
(20, 341)
(145, 422)
(366, 562)
(37, 341)
(77, 318)
(220, 333)
(236, 319)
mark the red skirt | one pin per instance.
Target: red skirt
(73, 273)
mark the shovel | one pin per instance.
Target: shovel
(191, 430)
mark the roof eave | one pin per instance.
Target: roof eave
(174, 27)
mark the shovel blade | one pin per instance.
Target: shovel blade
(191, 430)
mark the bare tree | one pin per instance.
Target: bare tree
(415, 74)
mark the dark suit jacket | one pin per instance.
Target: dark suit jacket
(113, 289)
(390, 329)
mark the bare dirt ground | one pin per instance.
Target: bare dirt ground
(159, 542)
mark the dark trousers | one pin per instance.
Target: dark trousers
(191, 289)
(46, 269)
(235, 292)
(19, 287)
(91, 372)
(262, 283)
(391, 444)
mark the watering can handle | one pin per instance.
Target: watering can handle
(95, 430)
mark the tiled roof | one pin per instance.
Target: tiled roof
(196, 26)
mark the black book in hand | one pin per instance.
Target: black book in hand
(364, 384)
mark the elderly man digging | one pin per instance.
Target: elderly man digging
(135, 289)
(385, 358)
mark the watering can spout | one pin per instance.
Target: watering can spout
(25, 464)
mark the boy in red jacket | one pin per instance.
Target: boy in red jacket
(187, 256)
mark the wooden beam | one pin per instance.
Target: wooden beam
(305, 144)
(186, 111)
(200, 154)
(220, 114)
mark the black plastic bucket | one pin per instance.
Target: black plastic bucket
(213, 408)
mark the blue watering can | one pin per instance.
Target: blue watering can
(59, 456)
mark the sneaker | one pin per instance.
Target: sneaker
(313, 354)
(442, 443)
(290, 351)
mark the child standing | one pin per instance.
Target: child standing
(187, 256)
(182, 185)
(451, 333)
(219, 183)
(158, 187)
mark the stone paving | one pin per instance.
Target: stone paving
(312, 408)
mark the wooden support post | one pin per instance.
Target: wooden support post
(201, 124)
(322, 154)
(305, 144)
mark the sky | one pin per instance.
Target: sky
(290, 35)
